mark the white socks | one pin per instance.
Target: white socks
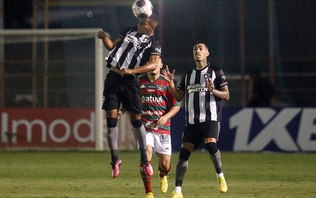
(220, 175)
(178, 189)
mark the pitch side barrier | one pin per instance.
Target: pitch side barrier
(242, 129)
(261, 129)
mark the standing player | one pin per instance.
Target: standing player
(135, 51)
(203, 88)
(158, 107)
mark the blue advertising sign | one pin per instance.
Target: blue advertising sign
(261, 129)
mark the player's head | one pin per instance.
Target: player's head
(200, 51)
(148, 25)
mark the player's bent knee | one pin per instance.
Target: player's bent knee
(184, 154)
(111, 122)
(211, 147)
(136, 123)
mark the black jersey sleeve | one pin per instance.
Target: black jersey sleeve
(155, 48)
(220, 79)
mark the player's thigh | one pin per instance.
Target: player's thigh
(150, 138)
(111, 93)
(210, 129)
(193, 135)
(149, 144)
(111, 101)
(130, 95)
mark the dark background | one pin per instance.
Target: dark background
(237, 32)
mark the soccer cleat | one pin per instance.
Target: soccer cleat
(116, 168)
(148, 170)
(149, 195)
(176, 194)
(222, 186)
(163, 184)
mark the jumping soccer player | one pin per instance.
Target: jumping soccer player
(203, 88)
(135, 51)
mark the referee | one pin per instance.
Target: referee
(135, 51)
(202, 88)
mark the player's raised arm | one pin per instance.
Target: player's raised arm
(108, 43)
(177, 94)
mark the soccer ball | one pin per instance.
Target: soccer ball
(142, 8)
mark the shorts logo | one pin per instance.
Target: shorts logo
(164, 139)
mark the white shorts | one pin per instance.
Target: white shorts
(161, 143)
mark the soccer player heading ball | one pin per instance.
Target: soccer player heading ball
(134, 51)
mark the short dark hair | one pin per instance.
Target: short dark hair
(202, 42)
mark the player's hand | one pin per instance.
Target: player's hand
(101, 34)
(209, 84)
(161, 121)
(168, 76)
(126, 71)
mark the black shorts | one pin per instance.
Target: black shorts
(121, 90)
(195, 133)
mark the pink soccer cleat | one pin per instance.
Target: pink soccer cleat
(116, 168)
(148, 170)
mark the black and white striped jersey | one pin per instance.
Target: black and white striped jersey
(200, 104)
(134, 50)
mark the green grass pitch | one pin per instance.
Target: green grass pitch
(88, 174)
